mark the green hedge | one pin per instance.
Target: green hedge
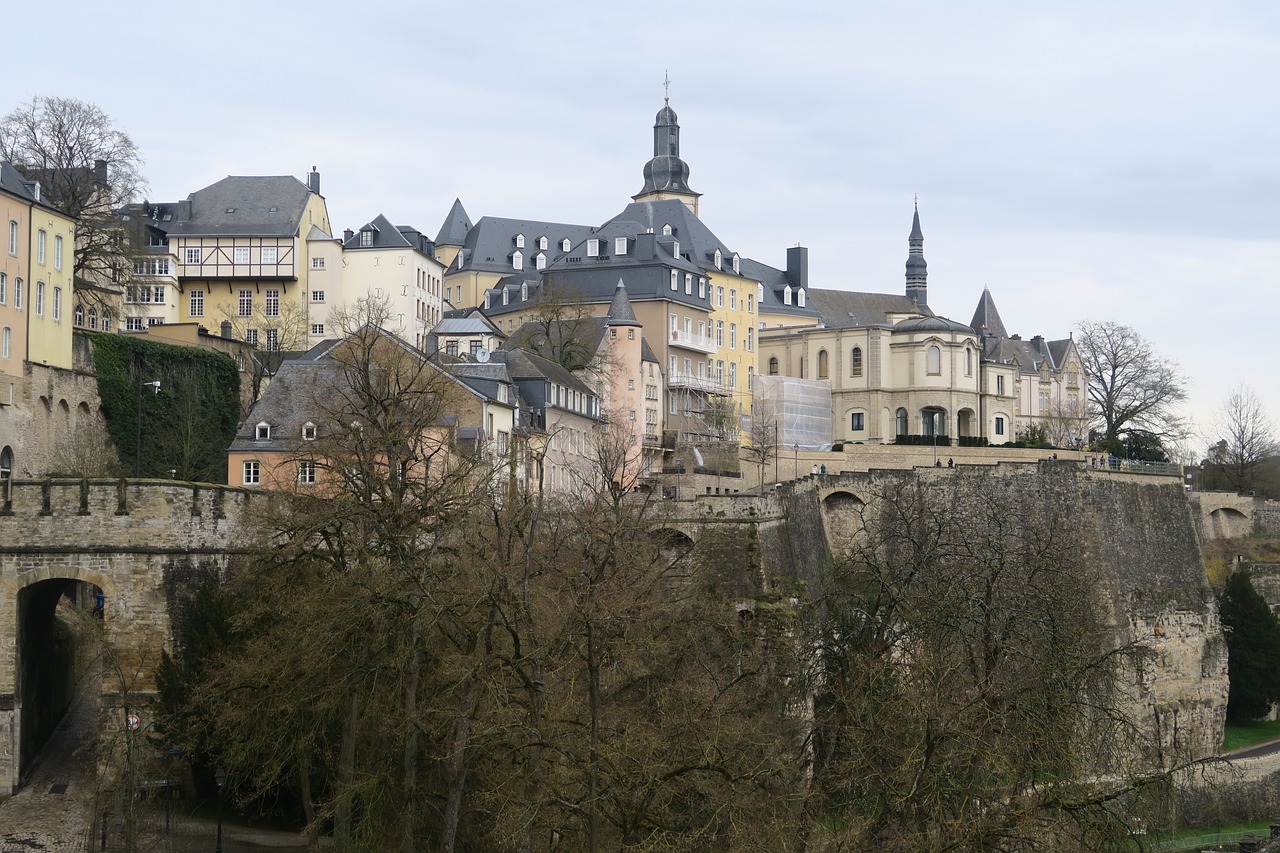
(187, 425)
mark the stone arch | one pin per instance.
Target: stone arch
(842, 518)
(1229, 523)
(64, 418)
(6, 462)
(966, 422)
(672, 544)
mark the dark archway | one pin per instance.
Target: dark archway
(673, 545)
(1229, 523)
(56, 634)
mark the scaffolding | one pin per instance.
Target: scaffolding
(800, 408)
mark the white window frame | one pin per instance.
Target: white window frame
(244, 303)
(317, 329)
(192, 255)
(240, 255)
(317, 296)
(270, 255)
(39, 298)
(13, 236)
(262, 431)
(57, 251)
(251, 472)
(309, 431)
(306, 472)
(593, 248)
(57, 304)
(42, 240)
(196, 303)
(619, 245)
(271, 303)
(317, 263)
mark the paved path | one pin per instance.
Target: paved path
(34, 820)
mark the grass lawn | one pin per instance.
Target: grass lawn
(1197, 839)
(1240, 735)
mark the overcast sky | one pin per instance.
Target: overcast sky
(1084, 160)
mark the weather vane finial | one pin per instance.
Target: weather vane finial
(917, 199)
(666, 87)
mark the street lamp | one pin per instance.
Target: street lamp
(137, 448)
(219, 776)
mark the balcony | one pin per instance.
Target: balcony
(696, 383)
(693, 341)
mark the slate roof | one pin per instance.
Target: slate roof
(453, 231)
(1028, 355)
(12, 181)
(530, 365)
(298, 394)
(847, 309)
(987, 318)
(385, 236)
(257, 206)
(472, 324)
(586, 333)
(930, 324)
(620, 313)
(490, 243)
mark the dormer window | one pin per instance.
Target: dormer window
(542, 243)
(760, 293)
(517, 260)
(666, 231)
(675, 280)
(487, 300)
(506, 296)
(702, 288)
(524, 289)
(719, 259)
(620, 245)
(366, 239)
(565, 245)
(737, 269)
(800, 297)
(786, 295)
(308, 431)
(540, 261)
(675, 248)
(593, 248)
(262, 432)
(519, 241)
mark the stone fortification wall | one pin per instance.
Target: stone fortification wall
(147, 545)
(1228, 515)
(1138, 531)
(55, 423)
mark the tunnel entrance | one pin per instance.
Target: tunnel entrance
(58, 629)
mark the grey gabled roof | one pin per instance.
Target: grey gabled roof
(258, 206)
(472, 324)
(490, 243)
(522, 364)
(844, 309)
(385, 236)
(12, 181)
(453, 231)
(986, 319)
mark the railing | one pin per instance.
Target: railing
(692, 340)
(698, 383)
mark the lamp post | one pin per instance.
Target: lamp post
(137, 448)
(219, 776)
(933, 419)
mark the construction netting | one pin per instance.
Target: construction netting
(799, 409)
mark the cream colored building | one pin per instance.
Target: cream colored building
(395, 266)
(243, 249)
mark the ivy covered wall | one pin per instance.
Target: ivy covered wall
(181, 429)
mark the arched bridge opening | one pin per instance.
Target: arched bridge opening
(842, 518)
(1229, 523)
(57, 644)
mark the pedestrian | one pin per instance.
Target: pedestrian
(951, 463)
(814, 471)
(824, 469)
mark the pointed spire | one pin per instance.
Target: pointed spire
(456, 225)
(620, 313)
(917, 269)
(986, 318)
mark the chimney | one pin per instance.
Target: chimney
(100, 172)
(798, 266)
(226, 328)
(313, 181)
(184, 210)
(347, 234)
(645, 246)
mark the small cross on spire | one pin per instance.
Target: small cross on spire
(666, 87)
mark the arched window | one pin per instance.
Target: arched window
(822, 364)
(855, 361)
(106, 320)
(968, 362)
(6, 463)
(802, 367)
(517, 259)
(800, 297)
(79, 314)
(4, 343)
(933, 361)
(93, 318)
(901, 418)
(773, 365)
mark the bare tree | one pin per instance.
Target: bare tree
(88, 168)
(1244, 439)
(271, 337)
(762, 436)
(1131, 386)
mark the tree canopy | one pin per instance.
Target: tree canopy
(1253, 646)
(1132, 388)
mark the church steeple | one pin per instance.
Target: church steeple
(666, 175)
(917, 269)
